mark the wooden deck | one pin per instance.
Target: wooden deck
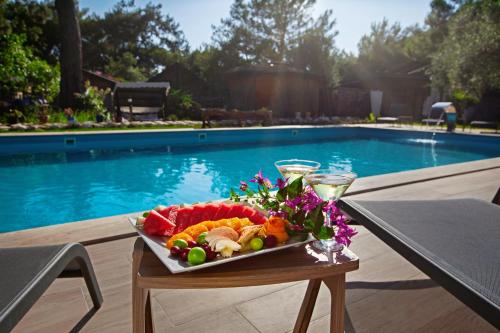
(387, 294)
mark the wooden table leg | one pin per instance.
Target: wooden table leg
(148, 320)
(307, 307)
(336, 284)
(142, 321)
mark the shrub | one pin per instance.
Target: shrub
(22, 72)
(182, 105)
(91, 103)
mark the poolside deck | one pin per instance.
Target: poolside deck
(387, 294)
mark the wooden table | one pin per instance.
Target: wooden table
(293, 264)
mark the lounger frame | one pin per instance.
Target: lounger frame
(71, 260)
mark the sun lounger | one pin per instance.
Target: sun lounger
(454, 242)
(27, 272)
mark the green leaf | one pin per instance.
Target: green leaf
(295, 188)
(316, 219)
(146, 214)
(234, 196)
(325, 232)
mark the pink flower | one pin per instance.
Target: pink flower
(243, 186)
(294, 202)
(259, 179)
(310, 199)
(281, 183)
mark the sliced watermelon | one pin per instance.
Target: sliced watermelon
(222, 211)
(236, 211)
(257, 217)
(172, 215)
(196, 216)
(165, 211)
(183, 218)
(209, 212)
(156, 224)
(248, 211)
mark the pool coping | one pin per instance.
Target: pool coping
(115, 227)
(156, 130)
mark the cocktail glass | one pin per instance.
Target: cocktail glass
(294, 168)
(329, 185)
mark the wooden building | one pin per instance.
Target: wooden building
(99, 80)
(404, 92)
(283, 89)
(182, 78)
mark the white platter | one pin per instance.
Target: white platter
(174, 265)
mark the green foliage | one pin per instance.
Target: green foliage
(468, 61)
(91, 101)
(125, 68)
(126, 32)
(21, 71)
(372, 118)
(37, 20)
(182, 105)
(277, 31)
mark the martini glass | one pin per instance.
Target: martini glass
(329, 185)
(294, 168)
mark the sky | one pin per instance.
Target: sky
(353, 17)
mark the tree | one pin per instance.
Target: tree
(71, 52)
(269, 30)
(126, 32)
(37, 20)
(468, 61)
(316, 51)
(382, 49)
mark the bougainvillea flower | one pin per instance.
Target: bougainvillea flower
(294, 202)
(243, 186)
(310, 199)
(281, 183)
(259, 179)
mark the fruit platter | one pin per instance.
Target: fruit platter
(192, 237)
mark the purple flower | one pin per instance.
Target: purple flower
(294, 202)
(259, 179)
(310, 199)
(281, 183)
(243, 186)
(344, 234)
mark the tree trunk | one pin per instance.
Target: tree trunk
(71, 52)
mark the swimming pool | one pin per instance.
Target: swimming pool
(53, 179)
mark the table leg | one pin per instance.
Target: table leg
(142, 321)
(336, 284)
(148, 320)
(307, 307)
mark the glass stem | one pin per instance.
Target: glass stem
(328, 220)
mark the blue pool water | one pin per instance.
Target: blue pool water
(44, 188)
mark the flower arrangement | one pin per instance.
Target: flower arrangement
(299, 205)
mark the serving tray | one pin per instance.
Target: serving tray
(174, 265)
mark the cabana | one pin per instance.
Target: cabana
(140, 100)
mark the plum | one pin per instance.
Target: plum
(270, 241)
(175, 251)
